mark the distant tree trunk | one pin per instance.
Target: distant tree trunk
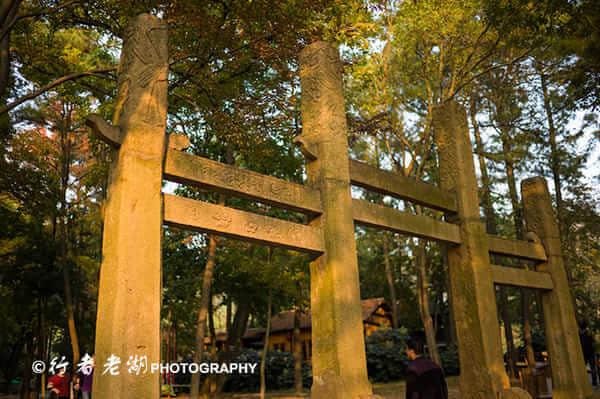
(492, 228)
(452, 322)
(389, 272)
(211, 383)
(228, 314)
(8, 11)
(297, 351)
(527, 334)
(41, 342)
(4, 66)
(263, 358)
(9, 371)
(389, 275)
(202, 312)
(26, 383)
(234, 337)
(423, 295)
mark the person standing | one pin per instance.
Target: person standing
(589, 351)
(58, 384)
(86, 377)
(424, 378)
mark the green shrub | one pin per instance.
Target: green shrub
(449, 357)
(386, 360)
(279, 372)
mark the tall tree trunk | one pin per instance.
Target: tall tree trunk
(554, 154)
(423, 295)
(203, 311)
(211, 381)
(492, 228)
(70, 313)
(66, 157)
(297, 351)
(206, 294)
(389, 275)
(518, 221)
(263, 359)
(8, 11)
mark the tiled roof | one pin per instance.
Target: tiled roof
(284, 321)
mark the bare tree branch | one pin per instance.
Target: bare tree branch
(53, 84)
(8, 27)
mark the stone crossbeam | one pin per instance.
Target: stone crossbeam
(521, 278)
(517, 248)
(210, 218)
(373, 215)
(190, 169)
(396, 185)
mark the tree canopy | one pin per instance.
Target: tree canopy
(527, 72)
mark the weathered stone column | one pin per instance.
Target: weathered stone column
(569, 377)
(128, 321)
(471, 285)
(339, 362)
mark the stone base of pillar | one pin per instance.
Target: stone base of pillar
(331, 386)
(515, 393)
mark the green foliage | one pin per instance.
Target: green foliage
(279, 372)
(234, 90)
(450, 363)
(386, 360)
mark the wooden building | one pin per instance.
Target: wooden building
(376, 314)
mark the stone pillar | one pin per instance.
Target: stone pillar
(569, 377)
(338, 356)
(129, 298)
(471, 285)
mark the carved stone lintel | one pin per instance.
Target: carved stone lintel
(106, 132)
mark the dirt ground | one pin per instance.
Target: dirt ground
(393, 390)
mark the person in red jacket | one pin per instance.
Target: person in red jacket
(58, 384)
(424, 378)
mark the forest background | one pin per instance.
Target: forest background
(528, 74)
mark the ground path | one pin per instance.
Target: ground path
(393, 390)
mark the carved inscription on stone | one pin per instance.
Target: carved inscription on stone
(203, 216)
(190, 169)
(320, 75)
(143, 74)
